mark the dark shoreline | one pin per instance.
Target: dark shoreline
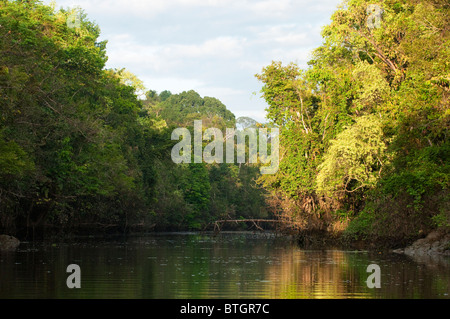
(312, 239)
(309, 240)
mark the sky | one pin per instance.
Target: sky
(214, 47)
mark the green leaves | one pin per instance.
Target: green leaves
(354, 159)
(373, 88)
(367, 114)
(14, 162)
(78, 146)
(53, 123)
(279, 91)
(182, 109)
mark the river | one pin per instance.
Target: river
(229, 265)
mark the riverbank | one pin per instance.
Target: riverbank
(436, 242)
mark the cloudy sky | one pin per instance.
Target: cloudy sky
(214, 47)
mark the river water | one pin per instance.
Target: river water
(200, 266)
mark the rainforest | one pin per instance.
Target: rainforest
(363, 134)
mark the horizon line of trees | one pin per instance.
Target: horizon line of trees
(84, 147)
(364, 148)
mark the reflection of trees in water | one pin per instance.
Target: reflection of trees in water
(340, 274)
(317, 274)
(216, 267)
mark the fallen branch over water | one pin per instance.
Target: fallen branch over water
(254, 222)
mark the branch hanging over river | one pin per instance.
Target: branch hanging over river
(255, 222)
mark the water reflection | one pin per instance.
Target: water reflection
(234, 265)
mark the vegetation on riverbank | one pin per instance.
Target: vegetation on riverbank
(364, 130)
(80, 150)
(364, 151)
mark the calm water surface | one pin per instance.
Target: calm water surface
(229, 265)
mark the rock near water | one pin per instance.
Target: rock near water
(436, 243)
(8, 243)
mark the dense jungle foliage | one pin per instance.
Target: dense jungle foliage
(79, 149)
(364, 150)
(364, 129)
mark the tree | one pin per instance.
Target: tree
(71, 122)
(182, 109)
(355, 158)
(367, 120)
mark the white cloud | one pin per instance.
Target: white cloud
(212, 46)
(283, 34)
(220, 47)
(299, 56)
(173, 84)
(268, 7)
(115, 8)
(123, 49)
(146, 8)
